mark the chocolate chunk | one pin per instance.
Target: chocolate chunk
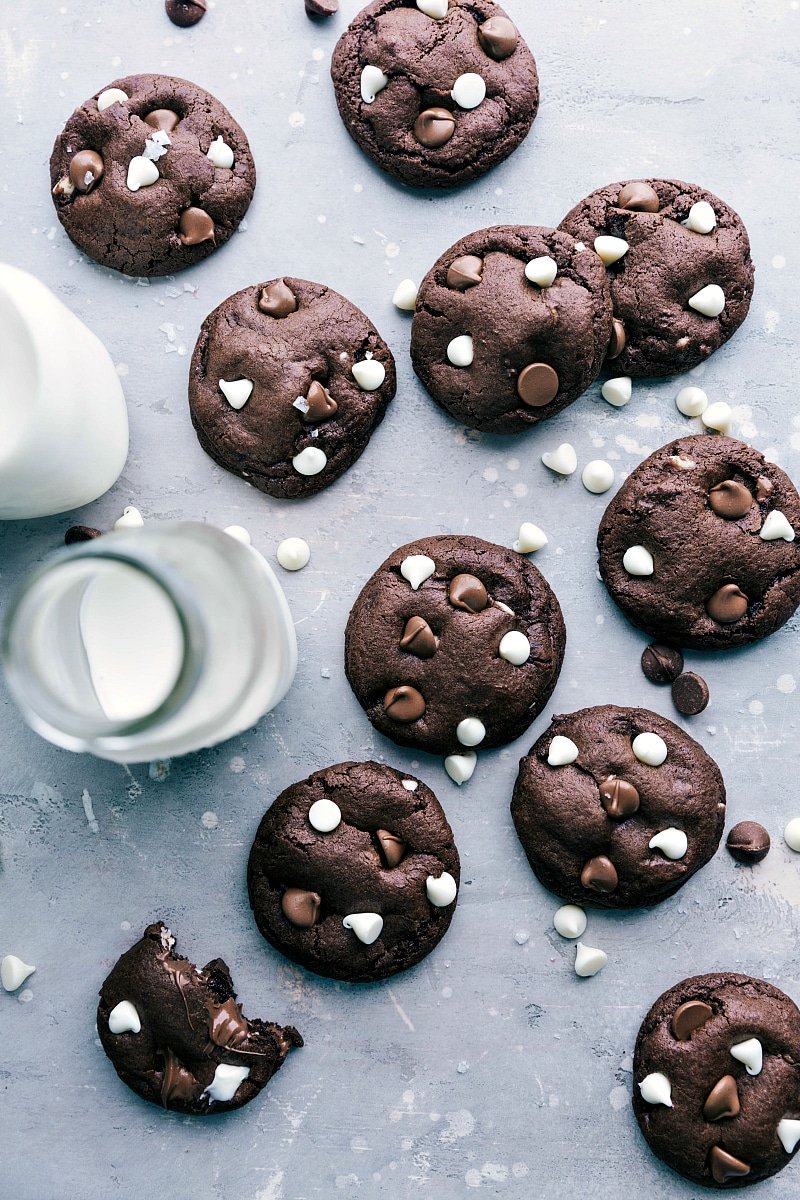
(434, 127)
(730, 500)
(162, 118)
(418, 638)
(724, 1166)
(723, 1100)
(748, 842)
(80, 533)
(393, 848)
(537, 385)
(178, 1085)
(86, 170)
(600, 874)
(465, 272)
(196, 226)
(404, 704)
(764, 488)
(618, 339)
(690, 694)
(321, 404)
(185, 12)
(661, 664)
(619, 798)
(498, 36)
(639, 197)
(728, 605)
(690, 1016)
(277, 299)
(301, 907)
(321, 8)
(468, 593)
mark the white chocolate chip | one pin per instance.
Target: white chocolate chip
(410, 785)
(702, 218)
(650, 749)
(570, 921)
(469, 90)
(226, 1081)
(131, 519)
(589, 960)
(324, 815)
(717, 417)
(461, 767)
(236, 391)
(366, 926)
(515, 648)
(776, 526)
(562, 751)
(416, 569)
(563, 460)
(503, 607)
(369, 374)
(373, 81)
(405, 295)
(470, 731)
(617, 391)
(789, 1133)
(751, 1054)
(239, 534)
(111, 96)
(542, 271)
(529, 539)
(637, 560)
(709, 301)
(656, 1089)
(14, 972)
(293, 554)
(220, 154)
(610, 249)
(461, 351)
(672, 843)
(441, 891)
(142, 172)
(310, 461)
(598, 476)
(791, 834)
(681, 464)
(433, 8)
(691, 401)
(124, 1018)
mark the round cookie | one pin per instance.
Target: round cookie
(499, 351)
(684, 253)
(151, 175)
(287, 382)
(435, 100)
(698, 546)
(177, 1036)
(454, 643)
(716, 1079)
(617, 807)
(353, 872)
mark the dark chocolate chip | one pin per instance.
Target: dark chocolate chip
(277, 299)
(661, 664)
(723, 1100)
(690, 694)
(730, 499)
(537, 385)
(600, 874)
(689, 1017)
(639, 197)
(498, 36)
(465, 272)
(393, 848)
(748, 842)
(185, 12)
(418, 638)
(80, 533)
(728, 605)
(404, 704)
(619, 798)
(301, 907)
(468, 593)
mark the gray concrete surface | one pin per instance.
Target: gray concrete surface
(491, 1068)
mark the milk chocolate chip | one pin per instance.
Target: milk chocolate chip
(404, 704)
(277, 299)
(618, 339)
(730, 500)
(690, 1016)
(85, 170)
(537, 385)
(728, 605)
(162, 118)
(301, 907)
(600, 874)
(196, 226)
(468, 593)
(619, 798)
(392, 847)
(498, 36)
(434, 127)
(723, 1100)
(321, 404)
(418, 638)
(639, 197)
(465, 272)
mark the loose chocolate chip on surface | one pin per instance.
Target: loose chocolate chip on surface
(690, 694)
(748, 842)
(80, 533)
(661, 664)
(321, 8)
(185, 12)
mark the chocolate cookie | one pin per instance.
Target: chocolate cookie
(698, 546)
(151, 175)
(353, 872)
(287, 382)
(176, 1035)
(454, 643)
(436, 92)
(617, 807)
(716, 1079)
(512, 324)
(679, 264)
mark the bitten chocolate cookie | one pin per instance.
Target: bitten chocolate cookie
(436, 92)
(454, 644)
(679, 264)
(176, 1035)
(353, 872)
(287, 382)
(716, 1079)
(151, 175)
(617, 807)
(512, 324)
(698, 546)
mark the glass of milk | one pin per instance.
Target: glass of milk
(149, 643)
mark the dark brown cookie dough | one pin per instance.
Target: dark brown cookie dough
(353, 872)
(176, 1035)
(712, 514)
(666, 264)
(723, 1050)
(587, 820)
(133, 184)
(535, 348)
(426, 662)
(296, 416)
(406, 93)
